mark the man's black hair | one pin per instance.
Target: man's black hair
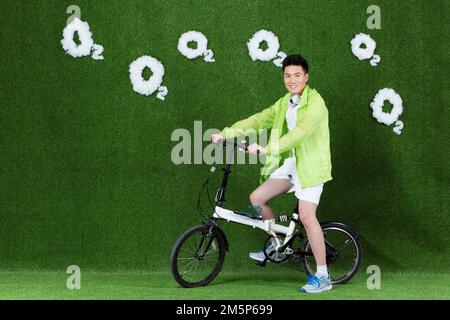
(296, 60)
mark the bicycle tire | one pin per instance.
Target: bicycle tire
(353, 268)
(175, 260)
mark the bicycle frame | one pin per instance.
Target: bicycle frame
(268, 226)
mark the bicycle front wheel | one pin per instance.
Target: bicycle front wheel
(343, 252)
(197, 257)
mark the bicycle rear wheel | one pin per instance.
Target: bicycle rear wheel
(343, 252)
(197, 257)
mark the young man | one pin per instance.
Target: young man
(302, 148)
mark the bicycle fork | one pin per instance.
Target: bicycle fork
(207, 240)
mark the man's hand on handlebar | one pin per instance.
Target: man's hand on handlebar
(256, 148)
(216, 137)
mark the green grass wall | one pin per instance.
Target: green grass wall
(86, 170)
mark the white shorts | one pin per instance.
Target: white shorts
(288, 172)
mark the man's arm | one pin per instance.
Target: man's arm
(256, 122)
(314, 115)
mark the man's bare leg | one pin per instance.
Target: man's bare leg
(313, 230)
(321, 281)
(260, 197)
(266, 191)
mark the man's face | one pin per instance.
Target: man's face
(295, 79)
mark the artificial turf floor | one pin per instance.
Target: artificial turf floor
(248, 285)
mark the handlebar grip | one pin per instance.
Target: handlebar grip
(246, 147)
(229, 143)
(236, 145)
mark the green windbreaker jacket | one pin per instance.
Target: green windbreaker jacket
(310, 139)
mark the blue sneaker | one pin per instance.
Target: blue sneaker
(315, 285)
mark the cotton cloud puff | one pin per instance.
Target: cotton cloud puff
(202, 46)
(256, 53)
(377, 106)
(147, 87)
(84, 35)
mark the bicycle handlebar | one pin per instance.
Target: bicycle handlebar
(237, 145)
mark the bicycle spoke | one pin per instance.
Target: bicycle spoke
(195, 267)
(189, 266)
(210, 251)
(345, 244)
